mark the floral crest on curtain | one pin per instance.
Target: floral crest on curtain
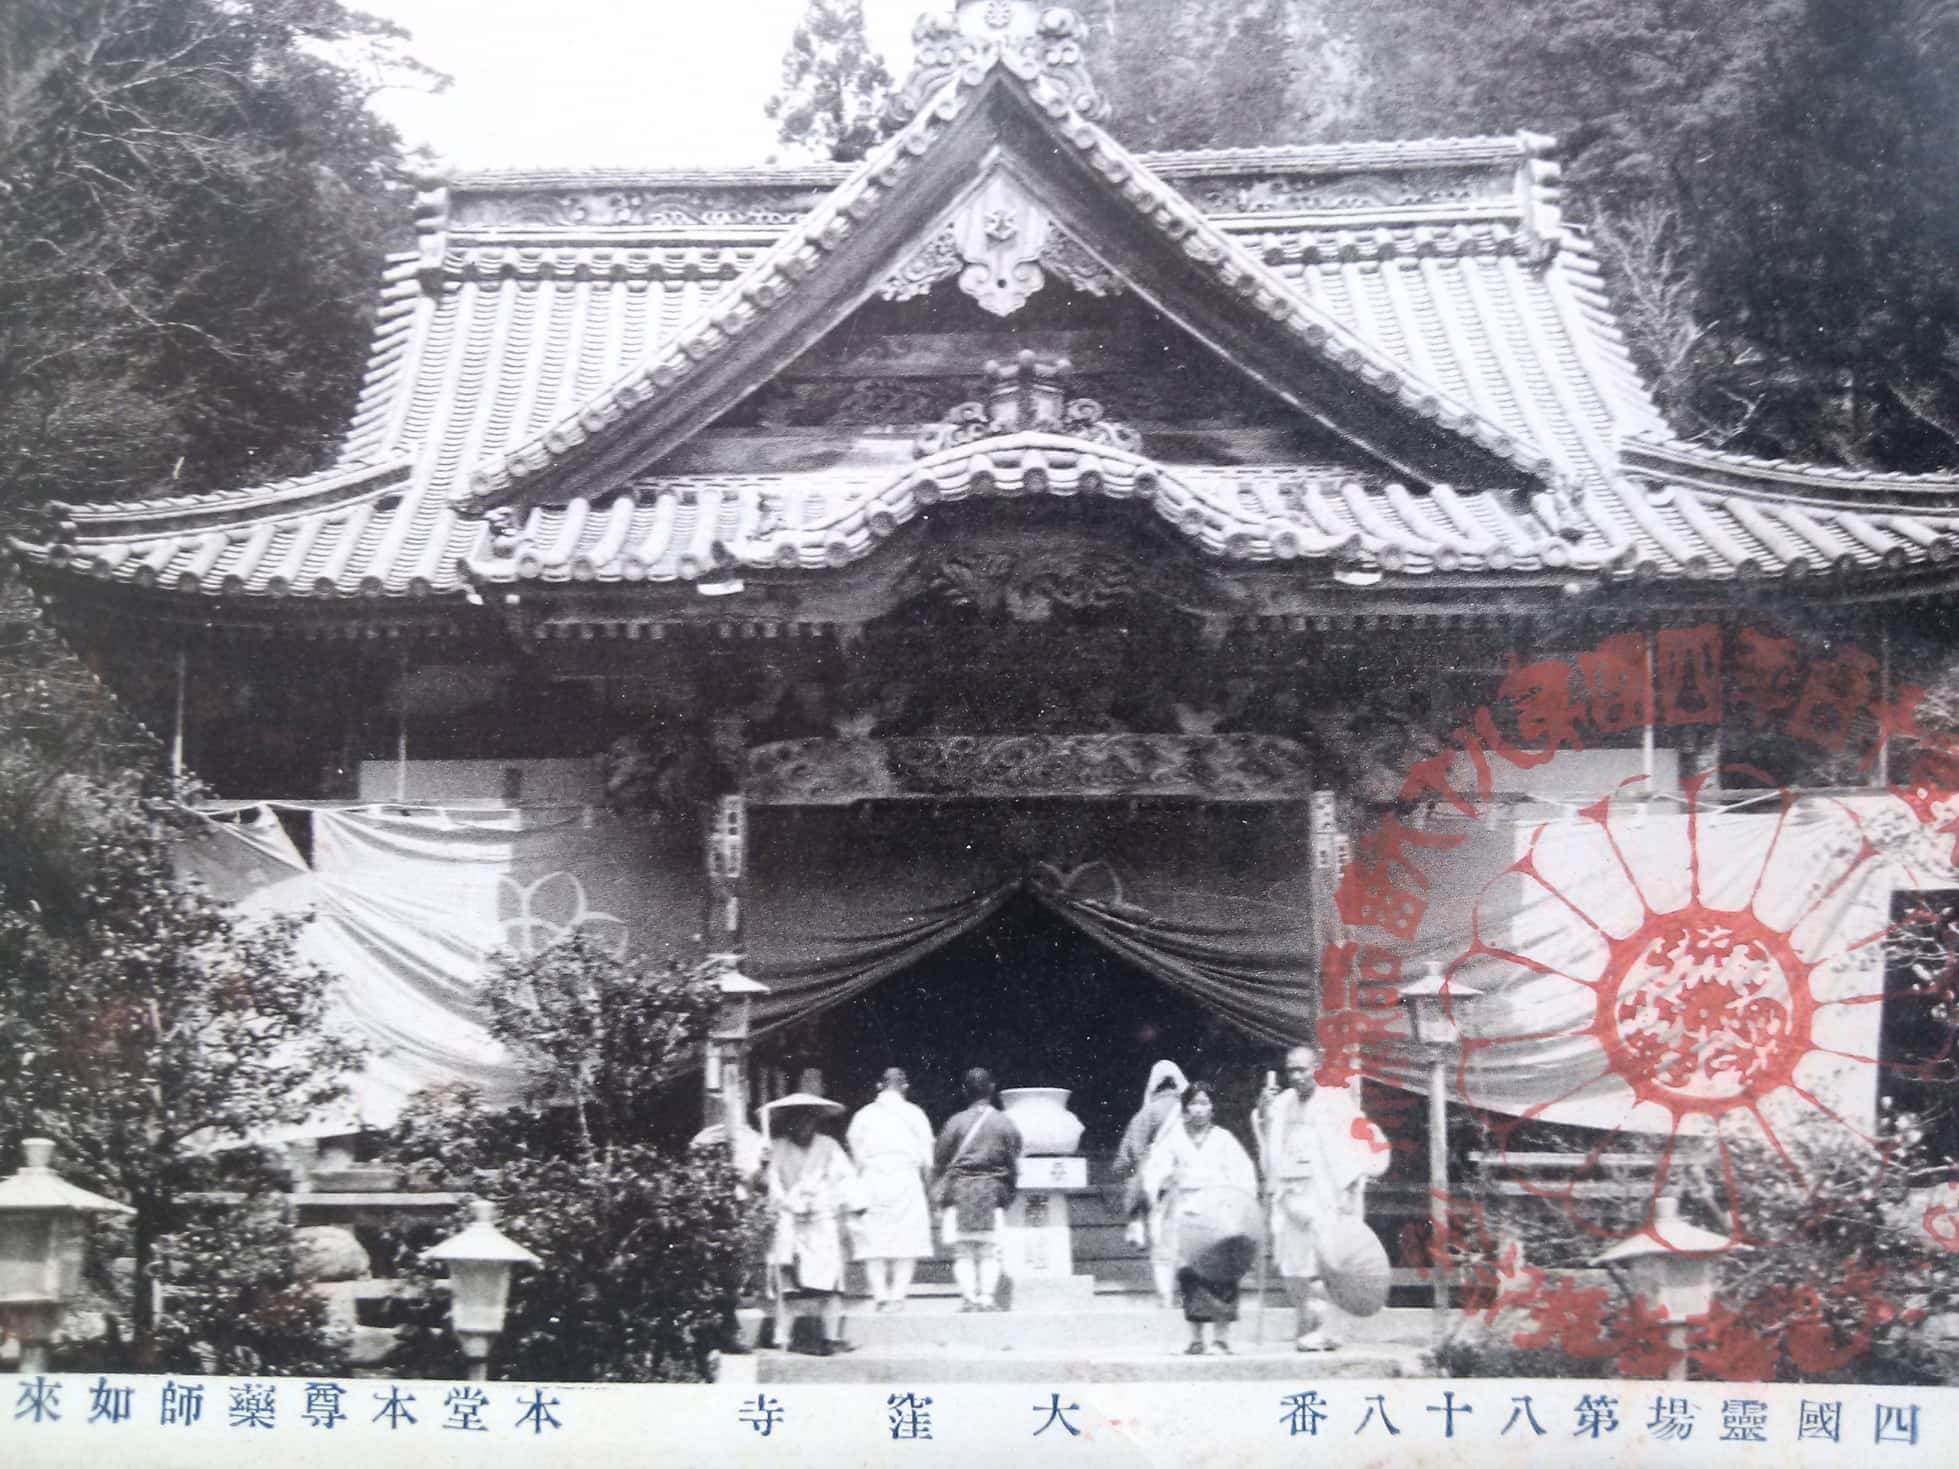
(535, 915)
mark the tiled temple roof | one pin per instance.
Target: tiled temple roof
(797, 278)
(541, 307)
(686, 529)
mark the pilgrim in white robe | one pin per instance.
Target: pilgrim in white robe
(891, 1142)
(1316, 1153)
(811, 1189)
(1211, 1217)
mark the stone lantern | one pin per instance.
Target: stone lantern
(1671, 1264)
(726, 1070)
(1429, 1002)
(480, 1258)
(41, 1249)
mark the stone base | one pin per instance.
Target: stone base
(1038, 1244)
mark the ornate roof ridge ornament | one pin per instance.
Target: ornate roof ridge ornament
(1027, 395)
(1050, 38)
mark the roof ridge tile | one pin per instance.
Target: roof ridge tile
(1436, 150)
(1728, 472)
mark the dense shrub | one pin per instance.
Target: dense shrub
(641, 1253)
(232, 1300)
(1837, 1279)
(642, 1238)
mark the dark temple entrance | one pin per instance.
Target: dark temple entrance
(1038, 1003)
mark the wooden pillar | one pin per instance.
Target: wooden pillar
(401, 726)
(1330, 851)
(727, 856)
(1323, 834)
(1647, 752)
(1700, 744)
(725, 1077)
(1881, 772)
(177, 714)
(1438, 1192)
(343, 781)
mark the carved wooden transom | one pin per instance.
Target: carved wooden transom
(1027, 395)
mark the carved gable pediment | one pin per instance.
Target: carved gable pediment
(1027, 188)
(1001, 245)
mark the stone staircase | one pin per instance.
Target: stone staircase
(1116, 1338)
(1116, 1334)
(1095, 1229)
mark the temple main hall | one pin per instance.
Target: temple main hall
(989, 596)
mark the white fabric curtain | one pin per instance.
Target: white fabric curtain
(408, 905)
(1539, 911)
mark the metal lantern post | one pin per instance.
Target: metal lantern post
(41, 1249)
(480, 1258)
(1671, 1264)
(1438, 1038)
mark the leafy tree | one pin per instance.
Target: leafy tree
(1844, 1270)
(1827, 249)
(1633, 89)
(235, 1303)
(1771, 186)
(191, 203)
(642, 1239)
(600, 1040)
(1227, 74)
(831, 101)
(143, 1026)
(60, 720)
(193, 195)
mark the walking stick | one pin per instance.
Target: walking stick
(1264, 1213)
(1264, 1254)
(771, 1272)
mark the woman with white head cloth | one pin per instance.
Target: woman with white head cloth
(1146, 1215)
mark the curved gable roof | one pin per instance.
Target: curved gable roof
(1424, 292)
(1007, 115)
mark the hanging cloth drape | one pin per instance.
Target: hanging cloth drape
(838, 900)
(1215, 902)
(1239, 943)
(1211, 900)
(409, 905)
(1526, 914)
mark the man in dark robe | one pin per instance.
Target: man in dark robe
(975, 1168)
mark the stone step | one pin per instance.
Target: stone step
(1095, 1326)
(1116, 1273)
(902, 1366)
(929, 1283)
